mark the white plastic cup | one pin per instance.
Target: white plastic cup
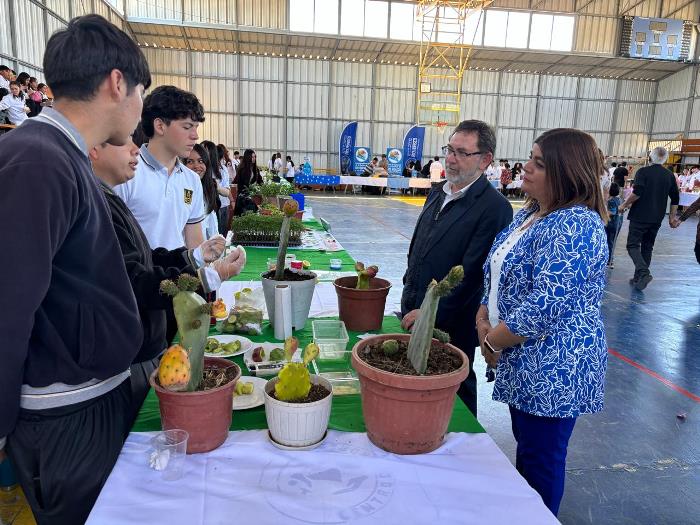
(336, 264)
(169, 453)
(288, 259)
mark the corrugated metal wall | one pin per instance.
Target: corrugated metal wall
(677, 109)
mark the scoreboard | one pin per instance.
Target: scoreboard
(657, 38)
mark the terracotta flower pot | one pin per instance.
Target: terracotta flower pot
(406, 414)
(205, 415)
(361, 310)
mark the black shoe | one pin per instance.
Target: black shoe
(643, 282)
(633, 281)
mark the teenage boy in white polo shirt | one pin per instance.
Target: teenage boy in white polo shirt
(166, 197)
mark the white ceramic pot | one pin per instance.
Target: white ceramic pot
(302, 294)
(298, 424)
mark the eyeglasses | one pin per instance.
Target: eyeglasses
(449, 150)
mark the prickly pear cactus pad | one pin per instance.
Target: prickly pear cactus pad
(294, 379)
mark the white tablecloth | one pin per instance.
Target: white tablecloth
(688, 198)
(324, 303)
(345, 480)
(413, 182)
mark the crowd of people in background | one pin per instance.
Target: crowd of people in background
(21, 96)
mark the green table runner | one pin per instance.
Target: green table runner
(346, 411)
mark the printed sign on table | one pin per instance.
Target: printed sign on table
(395, 158)
(361, 157)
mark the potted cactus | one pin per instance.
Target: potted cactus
(298, 404)
(194, 392)
(301, 283)
(408, 382)
(361, 299)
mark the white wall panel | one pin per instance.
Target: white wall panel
(169, 80)
(210, 11)
(596, 34)
(261, 132)
(518, 84)
(350, 103)
(219, 128)
(388, 136)
(311, 71)
(396, 76)
(558, 86)
(264, 98)
(362, 137)
(30, 35)
(597, 88)
(556, 113)
(434, 140)
(675, 86)
(630, 145)
(5, 42)
(101, 9)
(517, 112)
(263, 13)
(352, 73)
(603, 140)
(513, 144)
(223, 65)
(307, 101)
(161, 10)
(595, 116)
(670, 117)
(216, 94)
(53, 24)
(695, 118)
(261, 68)
(394, 105)
(638, 90)
(307, 135)
(633, 117)
(479, 107)
(480, 81)
(60, 7)
(168, 61)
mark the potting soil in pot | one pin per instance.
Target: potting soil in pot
(440, 360)
(289, 275)
(316, 393)
(214, 377)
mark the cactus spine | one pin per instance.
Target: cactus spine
(289, 209)
(364, 275)
(192, 314)
(294, 379)
(424, 329)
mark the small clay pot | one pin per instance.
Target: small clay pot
(361, 310)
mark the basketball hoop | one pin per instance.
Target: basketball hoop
(441, 125)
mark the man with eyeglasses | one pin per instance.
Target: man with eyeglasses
(457, 226)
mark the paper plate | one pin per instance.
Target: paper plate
(246, 344)
(253, 400)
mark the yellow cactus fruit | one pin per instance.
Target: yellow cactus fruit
(306, 265)
(218, 308)
(174, 369)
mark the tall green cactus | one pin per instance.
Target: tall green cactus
(424, 328)
(294, 379)
(290, 207)
(192, 314)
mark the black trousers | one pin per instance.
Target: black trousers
(467, 389)
(140, 372)
(63, 456)
(640, 245)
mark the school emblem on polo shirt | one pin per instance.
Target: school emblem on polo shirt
(188, 196)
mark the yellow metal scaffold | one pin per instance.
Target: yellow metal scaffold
(444, 56)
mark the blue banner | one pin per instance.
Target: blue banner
(395, 158)
(346, 147)
(413, 144)
(324, 180)
(361, 157)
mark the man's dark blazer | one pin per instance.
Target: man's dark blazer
(463, 235)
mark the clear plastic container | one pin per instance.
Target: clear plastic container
(332, 340)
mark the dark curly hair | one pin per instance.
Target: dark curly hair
(169, 103)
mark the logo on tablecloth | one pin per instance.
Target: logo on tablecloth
(326, 495)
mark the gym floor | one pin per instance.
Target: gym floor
(637, 461)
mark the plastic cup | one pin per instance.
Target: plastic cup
(297, 265)
(271, 263)
(169, 453)
(288, 260)
(336, 264)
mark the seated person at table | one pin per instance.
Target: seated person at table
(14, 103)
(147, 268)
(165, 196)
(369, 168)
(70, 323)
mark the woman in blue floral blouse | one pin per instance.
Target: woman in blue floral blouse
(540, 322)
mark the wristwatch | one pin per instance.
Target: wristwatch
(490, 347)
